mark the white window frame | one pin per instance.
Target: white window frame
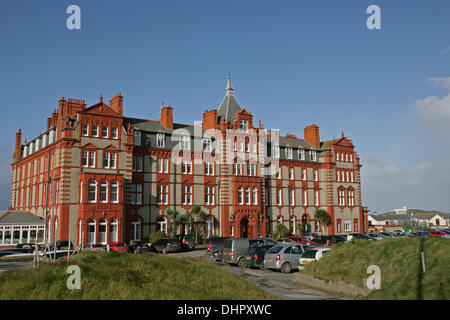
(160, 140)
(95, 131)
(85, 130)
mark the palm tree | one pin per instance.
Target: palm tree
(175, 220)
(197, 212)
(323, 217)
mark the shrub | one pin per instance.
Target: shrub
(155, 236)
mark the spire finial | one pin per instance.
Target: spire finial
(229, 89)
(101, 97)
(343, 134)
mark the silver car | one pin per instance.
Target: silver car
(284, 256)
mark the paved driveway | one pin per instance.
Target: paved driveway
(274, 282)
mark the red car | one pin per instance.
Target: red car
(118, 247)
(303, 240)
(437, 233)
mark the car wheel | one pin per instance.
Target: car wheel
(241, 263)
(286, 267)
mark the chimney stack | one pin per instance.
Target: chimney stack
(312, 135)
(116, 103)
(18, 148)
(210, 119)
(166, 118)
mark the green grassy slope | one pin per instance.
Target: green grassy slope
(400, 264)
(124, 276)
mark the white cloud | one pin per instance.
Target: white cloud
(441, 82)
(434, 112)
(387, 185)
(396, 147)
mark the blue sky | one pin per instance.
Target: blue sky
(293, 63)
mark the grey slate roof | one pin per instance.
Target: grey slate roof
(19, 217)
(229, 106)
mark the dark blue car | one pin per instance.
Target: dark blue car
(421, 234)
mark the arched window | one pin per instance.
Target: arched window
(103, 191)
(136, 229)
(255, 196)
(280, 220)
(91, 230)
(56, 230)
(247, 195)
(162, 224)
(113, 227)
(102, 231)
(294, 225)
(114, 196)
(92, 192)
(240, 195)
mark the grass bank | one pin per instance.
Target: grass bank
(400, 264)
(125, 276)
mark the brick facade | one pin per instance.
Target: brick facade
(103, 176)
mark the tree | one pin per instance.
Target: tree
(175, 220)
(323, 217)
(200, 216)
(281, 231)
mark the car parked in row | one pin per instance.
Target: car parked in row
(302, 240)
(255, 256)
(136, 246)
(215, 247)
(95, 247)
(235, 249)
(312, 255)
(438, 233)
(118, 247)
(187, 241)
(284, 257)
(167, 245)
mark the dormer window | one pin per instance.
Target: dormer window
(301, 154)
(207, 145)
(160, 140)
(276, 151)
(243, 125)
(185, 143)
(137, 137)
(289, 153)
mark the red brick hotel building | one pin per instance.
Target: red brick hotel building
(102, 176)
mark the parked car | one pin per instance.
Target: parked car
(234, 250)
(338, 238)
(437, 233)
(64, 245)
(387, 234)
(215, 247)
(376, 236)
(138, 247)
(360, 236)
(118, 247)
(312, 255)
(284, 257)
(285, 240)
(444, 230)
(187, 241)
(421, 234)
(25, 247)
(302, 240)
(166, 245)
(95, 247)
(255, 256)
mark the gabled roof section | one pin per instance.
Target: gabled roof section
(343, 141)
(101, 109)
(229, 106)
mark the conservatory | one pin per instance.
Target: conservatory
(20, 227)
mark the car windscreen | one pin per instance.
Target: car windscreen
(275, 249)
(310, 254)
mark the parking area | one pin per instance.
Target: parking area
(274, 282)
